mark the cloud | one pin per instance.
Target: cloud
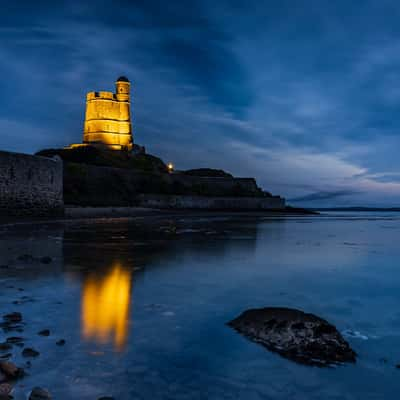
(282, 96)
(317, 196)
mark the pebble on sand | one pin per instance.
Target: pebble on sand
(13, 317)
(29, 352)
(10, 370)
(296, 335)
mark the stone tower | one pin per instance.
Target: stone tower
(108, 118)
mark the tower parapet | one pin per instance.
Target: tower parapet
(108, 118)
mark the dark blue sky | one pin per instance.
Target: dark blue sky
(303, 95)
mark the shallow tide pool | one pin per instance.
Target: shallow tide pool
(143, 307)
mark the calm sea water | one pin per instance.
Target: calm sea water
(143, 310)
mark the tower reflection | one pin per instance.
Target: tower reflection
(105, 306)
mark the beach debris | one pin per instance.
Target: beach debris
(301, 337)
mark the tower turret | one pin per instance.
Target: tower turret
(122, 89)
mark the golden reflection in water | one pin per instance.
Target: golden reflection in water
(105, 307)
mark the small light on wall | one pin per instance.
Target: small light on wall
(170, 167)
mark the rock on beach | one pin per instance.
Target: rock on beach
(302, 337)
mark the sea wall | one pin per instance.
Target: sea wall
(211, 203)
(90, 185)
(214, 186)
(30, 185)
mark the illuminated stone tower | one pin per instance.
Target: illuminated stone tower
(108, 118)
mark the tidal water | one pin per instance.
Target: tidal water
(143, 306)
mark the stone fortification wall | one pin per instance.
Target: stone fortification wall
(215, 186)
(30, 185)
(106, 186)
(211, 203)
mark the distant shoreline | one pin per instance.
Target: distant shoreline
(382, 209)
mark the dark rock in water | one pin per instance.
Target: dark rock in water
(10, 327)
(5, 346)
(60, 342)
(39, 394)
(13, 317)
(14, 340)
(46, 260)
(298, 336)
(10, 370)
(44, 332)
(12, 322)
(106, 398)
(398, 366)
(23, 300)
(29, 352)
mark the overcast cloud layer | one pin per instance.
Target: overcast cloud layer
(305, 96)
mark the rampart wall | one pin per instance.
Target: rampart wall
(30, 185)
(90, 185)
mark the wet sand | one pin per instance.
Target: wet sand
(147, 214)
